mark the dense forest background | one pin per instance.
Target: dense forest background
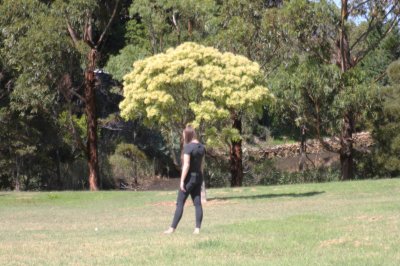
(333, 67)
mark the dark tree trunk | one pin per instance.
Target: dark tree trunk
(346, 141)
(90, 110)
(236, 155)
(90, 93)
(17, 186)
(346, 147)
(303, 148)
(58, 166)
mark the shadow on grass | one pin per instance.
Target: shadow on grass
(268, 196)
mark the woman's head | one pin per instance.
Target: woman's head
(188, 134)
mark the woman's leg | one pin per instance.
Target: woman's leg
(196, 197)
(180, 204)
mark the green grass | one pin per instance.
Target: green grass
(348, 223)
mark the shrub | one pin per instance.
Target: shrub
(386, 130)
(129, 165)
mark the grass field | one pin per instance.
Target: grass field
(349, 223)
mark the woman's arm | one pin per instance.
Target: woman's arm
(185, 170)
(202, 165)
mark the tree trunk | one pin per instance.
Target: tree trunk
(236, 155)
(346, 142)
(90, 110)
(16, 178)
(303, 148)
(346, 147)
(58, 166)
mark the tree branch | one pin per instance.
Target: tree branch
(87, 33)
(72, 33)
(364, 35)
(78, 95)
(362, 54)
(174, 21)
(357, 6)
(370, 28)
(106, 29)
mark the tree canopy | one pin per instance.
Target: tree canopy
(192, 84)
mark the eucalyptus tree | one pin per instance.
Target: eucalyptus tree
(45, 46)
(344, 37)
(249, 28)
(381, 17)
(199, 85)
(88, 24)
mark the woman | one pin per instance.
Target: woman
(191, 179)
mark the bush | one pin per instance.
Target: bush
(216, 172)
(129, 166)
(386, 130)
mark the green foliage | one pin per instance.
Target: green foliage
(121, 64)
(168, 23)
(78, 125)
(129, 164)
(27, 151)
(36, 49)
(136, 34)
(357, 96)
(311, 27)
(305, 93)
(130, 151)
(250, 28)
(216, 172)
(386, 131)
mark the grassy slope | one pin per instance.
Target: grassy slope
(350, 223)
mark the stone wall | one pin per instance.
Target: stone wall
(362, 141)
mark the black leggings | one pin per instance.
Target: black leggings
(193, 184)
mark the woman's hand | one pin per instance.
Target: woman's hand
(182, 186)
(185, 170)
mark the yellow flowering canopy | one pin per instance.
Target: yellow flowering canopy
(192, 84)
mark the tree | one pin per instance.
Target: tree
(45, 63)
(305, 93)
(88, 29)
(325, 36)
(199, 85)
(249, 28)
(381, 17)
(34, 58)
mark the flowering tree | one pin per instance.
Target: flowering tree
(199, 85)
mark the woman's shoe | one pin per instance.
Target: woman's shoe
(169, 231)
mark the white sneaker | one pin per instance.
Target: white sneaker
(169, 231)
